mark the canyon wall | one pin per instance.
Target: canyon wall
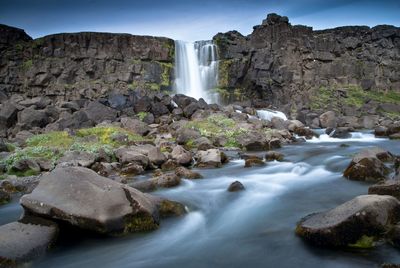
(352, 70)
(83, 65)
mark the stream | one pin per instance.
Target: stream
(253, 228)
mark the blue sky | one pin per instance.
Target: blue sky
(188, 20)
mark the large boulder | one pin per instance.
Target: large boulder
(135, 125)
(184, 135)
(252, 141)
(365, 215)
(30, 118)
(22, 242)
(328, 119)
(127, 155)
(339, 132)
(209, 159)
(98, 112)
(84, 199)
(181, 156)
(368, 165)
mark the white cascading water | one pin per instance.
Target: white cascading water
(269, 114)
(196, 69)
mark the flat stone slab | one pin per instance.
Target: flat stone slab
(20, 242)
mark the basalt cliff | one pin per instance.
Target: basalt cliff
(352, 70)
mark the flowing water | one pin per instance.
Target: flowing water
(268, 114)
(253, 228)
(196, 69)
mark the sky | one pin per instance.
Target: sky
(188, 20)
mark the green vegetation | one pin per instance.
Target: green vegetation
(37, 42)
(325, 97)
(142, 115)
(26, 65)
(218, 126)
(364, 242)
(223, 73)
(51, 146)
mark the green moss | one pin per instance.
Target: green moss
(364, 242)
(140, 223)
(218, 126)
(58, 139)
(223, 73)
(190, 144)
(26, 65)
(104, 135)
(166, 74)
(26, 173)
(321, 98)
(10, 147)
(142, 115)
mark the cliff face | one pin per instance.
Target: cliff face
(348, 69)
(83, 65)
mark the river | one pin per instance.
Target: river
(253, 228)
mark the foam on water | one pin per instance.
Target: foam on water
(268, 114)
(355, 136)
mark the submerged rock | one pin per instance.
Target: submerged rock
(253, 162)
(236, 186)
(273, 155)
(84, 199)
(22, 242)
(365, 215)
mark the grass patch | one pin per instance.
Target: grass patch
(53, 145)
(142, 115)
(218, 126)
(364, 242)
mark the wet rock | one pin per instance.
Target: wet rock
(163, 181)
(132, 169)
(368, 165)
(339, 132)
(388, 187)
(169, 165)
(328, 119)
(365, 215)
(183, 172)
(252, 141)
(168, 208)
(22, 242)
(209, 159)
(395, 136)
(5, 197)
(253, 162)
(181, 156)
(304, 132)
(84, 199)
(236, 186)
(273, 155)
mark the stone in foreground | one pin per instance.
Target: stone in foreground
(389, 187)
(84, 199)
(363, 216)
(236, 186)
(22, 242)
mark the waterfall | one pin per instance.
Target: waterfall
(196, 69)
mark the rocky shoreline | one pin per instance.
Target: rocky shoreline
(95, 150)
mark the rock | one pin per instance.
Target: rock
(8, 115)
(84, 199)
(304, 132)
(37, 102)
(381, 131)
(273, 155)
(366, 169)
(395, 136)
(127, 155)
(22, 242)
(30, 118)
(278, 123)
(184, 135)
(181, 156)
(365, 215)
(169, 165)
(132, 169)
(163, 181)
(388, 187)
(339, 132)
(98, 112)
(142, 105)
(135, 125)
(77, 158)
(328, 119)
(106, 169)
(182, 100)
(203, 144)
(209, 159)
(252, 141)
(236, 186)
(183, 172)
(25, 167)
(370, 121)
(117, 101)
(274, 144)
(253, 162)
(3, 146)
(168, 208)
(156, 157)
(368, 166)
(77, 120)
(5, 197)
(394, 236)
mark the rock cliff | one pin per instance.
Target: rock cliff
(351, 70)
(83, 65)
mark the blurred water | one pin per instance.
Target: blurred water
(253, 228)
